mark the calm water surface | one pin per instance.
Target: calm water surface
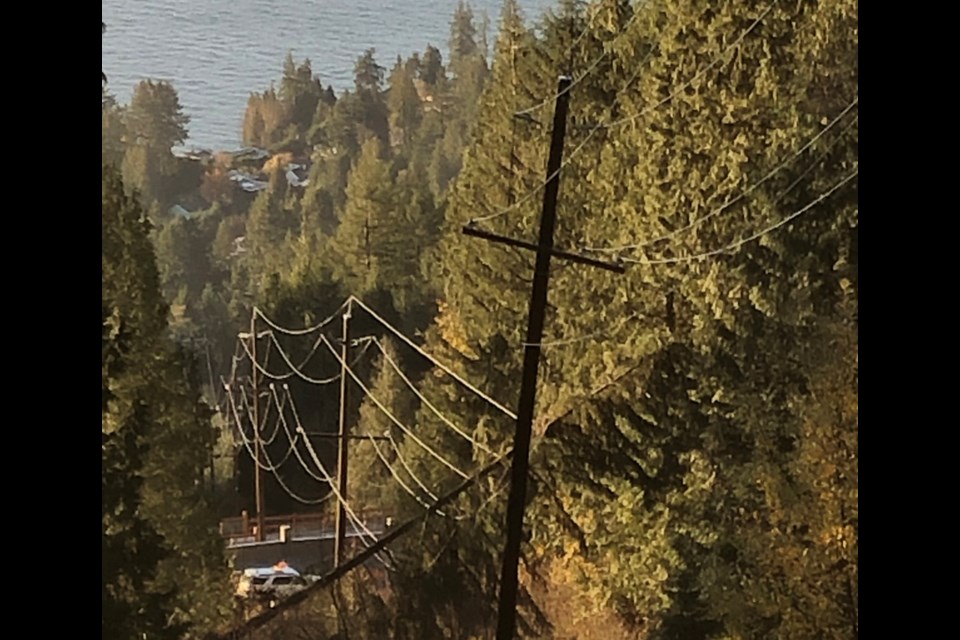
(216, 52)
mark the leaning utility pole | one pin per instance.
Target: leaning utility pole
(257, 482)
(507, 606)
(342, 449)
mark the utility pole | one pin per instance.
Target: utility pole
(343, 448)
(507, 605)
(257, 481)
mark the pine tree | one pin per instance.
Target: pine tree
(404, 102)
(183, 257)
(175, 499)
(660, 420)
(155, 118)
(463, 44)
(269, 223)
(500, 152)
(266, 119)
(156, 526)
(112, 129)
(371, 110)
(432, 71)
(371, 483)
(132, 317)
(300, 91)
(469, 69)
(366, 218)
(155, 123)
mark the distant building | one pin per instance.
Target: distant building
(249, 153)
(297, 175)
(239, 246)
(197, 155)
(247, 182)
(180, 212)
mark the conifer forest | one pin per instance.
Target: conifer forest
(320, 344)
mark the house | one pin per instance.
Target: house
(177, 210)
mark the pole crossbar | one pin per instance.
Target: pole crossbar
(520, 467)
(471, 230)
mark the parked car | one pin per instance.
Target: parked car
(273, 583)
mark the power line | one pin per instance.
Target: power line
(239, 423)
(590, 69)
(393, 365)
(393, 418)
(604, 333)
(359, 559)
(751, 238)
(262, 423)
(299, 432)
(617, 123)
(403, 463)
(396, 476)
(355, 522)
(753, 187)
(291, 492)
(327, 477)
(697, 76)
(246, 441)
(276, 429)
(270, 466)
(299, 332)
(282, 418)
(294, 368)
(243, 435)
(304, 377)
(264, 442)
(436, 362)
(274, 468)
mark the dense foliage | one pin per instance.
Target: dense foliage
(163, 568)
(695, 469)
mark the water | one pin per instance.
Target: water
(216, 52)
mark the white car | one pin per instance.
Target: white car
(278, 581)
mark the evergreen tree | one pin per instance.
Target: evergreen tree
(318, 215)
(469, 68)
(371, 111)
(140, 169)
(463, 44)
(366, 219)
(155, 123)
(673, 413)
(183, 258)
(155, 118)
(175, 499)
(156, 525)
(499, 153)
(266, 119)
(300, 91)
(112, 129)
(269, 224)
(432, 71)
(404, 102)
(132, 317)
(371, 483)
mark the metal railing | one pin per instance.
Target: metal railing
(243, 529)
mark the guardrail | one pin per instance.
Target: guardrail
(243, 529)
